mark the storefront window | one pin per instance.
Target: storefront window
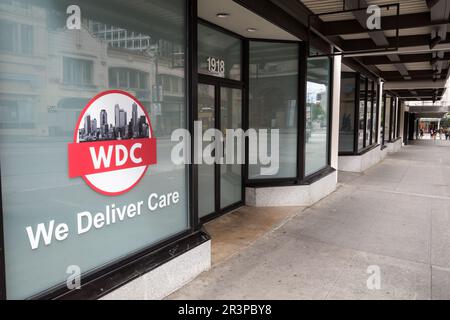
(362, 112)
(50, 70)
(230, 174)
(273, 96)
(206, 173)
(375, 113)
(399, 115)
(317, 119)
(394, 118)
(387, 119)
(219, 54)
(347, 112)
(369, 113)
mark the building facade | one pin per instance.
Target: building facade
(179, 61)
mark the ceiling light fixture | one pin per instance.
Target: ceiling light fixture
(251, 30)
(222, 15)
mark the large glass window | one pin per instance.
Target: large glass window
(362, 111)
(273, 96)
(219, 54)
(394, 118)
(41, 99)
(375, 114)
(317, 110)
(347, 112)
(206, 172)
(369, 113)
(388, 119)
(230, 174)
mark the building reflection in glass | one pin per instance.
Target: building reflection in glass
(137, 128)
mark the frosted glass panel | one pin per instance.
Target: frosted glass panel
(230, 174)
(206, 172)
(274, 101)
(49, 72)
(317, 115)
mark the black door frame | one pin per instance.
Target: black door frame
(219, 83)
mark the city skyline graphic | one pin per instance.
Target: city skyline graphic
(114, 123)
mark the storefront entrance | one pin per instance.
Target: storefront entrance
(220, 186)
(220, 107)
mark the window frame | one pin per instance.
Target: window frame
(219, 83)
(373, 139)
(374, 111)
(71, 61)
(243, 53)
(21, 45)
(394, 117)
(352, 75)
(272, 181)
(301, 177)
(318, 173)
(107, 278)
(383, 122)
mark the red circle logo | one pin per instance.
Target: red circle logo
(113, 143)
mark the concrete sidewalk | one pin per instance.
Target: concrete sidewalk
(395, 216)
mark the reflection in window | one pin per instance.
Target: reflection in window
(16, 37)
(387, 120)
(394, 119)
(77, 72)
(219, 54)
(362, 111)
(127, 78)
(273, 100)
(44, 87)
(369, 113)
(16, 114)
(119, 37)
(230, 174)
(317, 115)
(347, 112)
(375, 114)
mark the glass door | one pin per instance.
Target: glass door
(220, 186)
(206, 172)
(230, 174)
